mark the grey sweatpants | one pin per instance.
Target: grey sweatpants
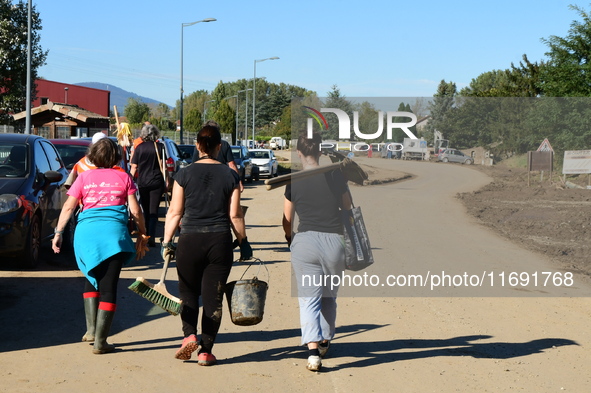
(315, 256)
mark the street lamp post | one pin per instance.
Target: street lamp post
(245, 115)
(29, 60)
(183, 25)
(254, 86)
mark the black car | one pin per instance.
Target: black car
(187, 152)
(244, 163)
(32, 194)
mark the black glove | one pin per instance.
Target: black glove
(167, 249)
(245, 250)
(288, 239)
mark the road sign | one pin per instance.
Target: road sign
(545, 146)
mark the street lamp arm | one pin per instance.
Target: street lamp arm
(199, 21)
(183, 25)
(254, 86)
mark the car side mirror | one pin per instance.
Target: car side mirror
(53, 176)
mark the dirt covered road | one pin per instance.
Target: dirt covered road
(408, 338)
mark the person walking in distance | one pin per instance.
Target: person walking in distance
(147, 162)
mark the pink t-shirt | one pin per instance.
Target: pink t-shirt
(102, 187)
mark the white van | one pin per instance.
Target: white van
(277, 143)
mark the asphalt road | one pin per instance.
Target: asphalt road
(409, 339)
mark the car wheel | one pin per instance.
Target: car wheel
(243, 176)
(445, 159)
(258, 176)
(468, 162)
(30, 255)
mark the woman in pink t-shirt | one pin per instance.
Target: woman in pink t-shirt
(102, 243)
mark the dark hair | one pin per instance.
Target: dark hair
(310, 146)
(213, 123)
(104, 153)
(208, 139)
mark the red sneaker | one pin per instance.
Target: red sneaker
(188, 346)
(206, 359)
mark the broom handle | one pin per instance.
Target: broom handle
(283, 180)
(165, 268)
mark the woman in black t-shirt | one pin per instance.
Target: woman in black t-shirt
(206, 196)
(317, 250)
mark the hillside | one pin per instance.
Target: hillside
(119, 96)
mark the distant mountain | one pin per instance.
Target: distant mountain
(118, 96)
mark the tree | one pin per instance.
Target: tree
(336, 100)
(567, 73)
(13, 56)
(136, 111)
(225, 117)
(284, 125)
(192, 120)
(441, 106)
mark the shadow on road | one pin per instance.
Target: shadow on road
(48, 311)
(379, 352)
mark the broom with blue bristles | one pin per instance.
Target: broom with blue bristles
(157, 293)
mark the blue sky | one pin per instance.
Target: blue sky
(372, 48)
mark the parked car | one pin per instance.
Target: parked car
(71, 150)
(63, 144)
(174, 158)
(454, 155)
(244, 163)
(266, 162)
(187, 152)
(32, 194)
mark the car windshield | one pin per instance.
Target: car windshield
(71, 154)
(259, 154)
(14, 160)
(236, 152)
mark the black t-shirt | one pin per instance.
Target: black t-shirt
(225, 156)
(148, 167)
(315, 201)
(208, 188)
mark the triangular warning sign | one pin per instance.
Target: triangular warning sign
(545, 146)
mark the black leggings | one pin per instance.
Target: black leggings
(203, 262)
(150, 199)
(107, 275)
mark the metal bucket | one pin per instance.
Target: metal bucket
(246, 299)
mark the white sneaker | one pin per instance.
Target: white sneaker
(323, 348)
(314, 363)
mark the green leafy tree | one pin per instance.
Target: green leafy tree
(193, 120)
(368, 120)
(337, 100)
(525, 79)
(441, 106)
(192, 101)
(136, 111)
(567, 73)
(13, 56)
(225, 117)
(283, 128)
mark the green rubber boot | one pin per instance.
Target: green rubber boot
(104, 319)
(90, 310)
